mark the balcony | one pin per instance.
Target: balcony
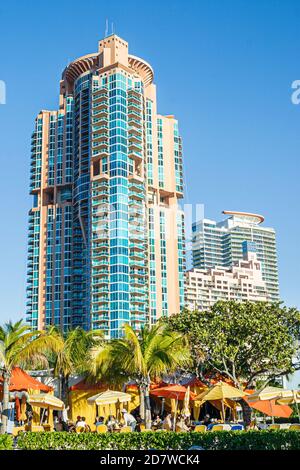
(100, 104)
(135, 147)
(100, 136)
(134, 113)
(100, 113)
(135, 132)
(100, 280)
(99, 245)
(134, 122)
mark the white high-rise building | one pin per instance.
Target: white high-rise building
(220, 244)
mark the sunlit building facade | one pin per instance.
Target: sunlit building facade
(241, 282)
(221, 244)
(106, 233)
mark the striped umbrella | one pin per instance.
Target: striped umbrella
(44, 400)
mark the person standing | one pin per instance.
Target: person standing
(129, 419)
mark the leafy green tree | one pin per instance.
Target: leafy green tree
(142, 357)
(73, 356)
(20, 346)
(244, 341)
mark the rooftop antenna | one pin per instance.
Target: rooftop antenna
(106, 28)
(112, 28)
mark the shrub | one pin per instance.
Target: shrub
(6, 442)
(222, 440)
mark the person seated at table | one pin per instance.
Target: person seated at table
(77, 420)
(140, 424)
(99, 420)
(71, 426)
(157, 421)
(207, 420)
(82, 424)
(112, 423)
(253, 425)
(167, 422)
(181, 425)
(212, 423)
(58, 426)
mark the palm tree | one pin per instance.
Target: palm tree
(73, 355)
(20, 346)
(144, 357)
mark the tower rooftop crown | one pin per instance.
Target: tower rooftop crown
(112, 50)
(246, 216)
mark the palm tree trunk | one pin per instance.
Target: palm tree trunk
(247, 412)
(142, 402)
(145, 407)
(5, 410)
(148, 420)
(65, 389)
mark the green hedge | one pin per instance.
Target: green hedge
(6, 442)
(227, 440)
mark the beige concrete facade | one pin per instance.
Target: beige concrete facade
(242, 282)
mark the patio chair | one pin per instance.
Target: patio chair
(237, 427)
(80, 429)
(101, 428)
(34, 428)
(218, 427)
(126, 429)
(226, 427)
(200, 428)
(294, 427)
(274, 426)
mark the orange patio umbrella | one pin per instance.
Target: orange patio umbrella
(270, 408)
(172, 391)
(21, 381)
(179, 392)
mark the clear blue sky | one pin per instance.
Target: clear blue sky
(223, 67)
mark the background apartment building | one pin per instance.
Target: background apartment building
(220, 244)
(242, 282)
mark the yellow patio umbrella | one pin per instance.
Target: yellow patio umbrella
(270, 393)
(44, 400)
(290, 400)
(221, 391)
(293, 399)
(109, 397)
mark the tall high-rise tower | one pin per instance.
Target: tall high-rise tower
(106, 235)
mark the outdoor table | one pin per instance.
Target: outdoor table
(116, 430)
